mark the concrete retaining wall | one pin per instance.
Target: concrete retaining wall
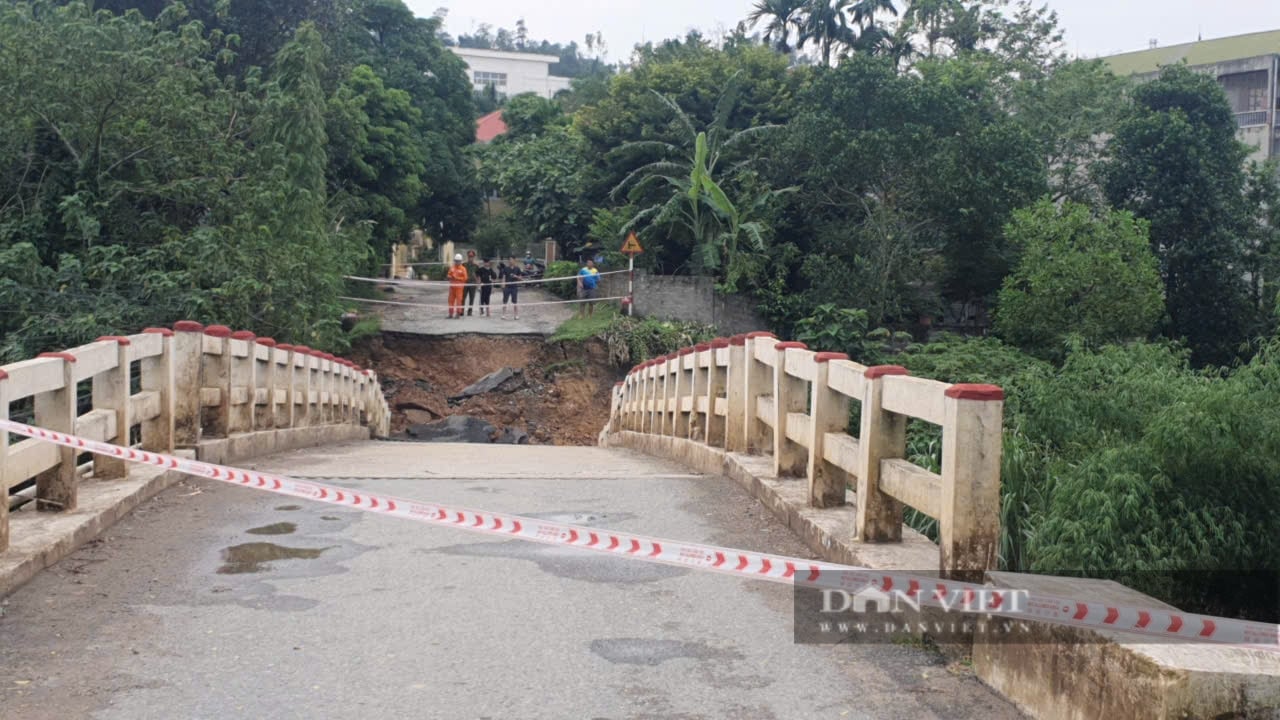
(686, 298)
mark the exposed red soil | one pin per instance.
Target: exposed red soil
(562, 396)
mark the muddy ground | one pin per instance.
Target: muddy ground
(562, 396)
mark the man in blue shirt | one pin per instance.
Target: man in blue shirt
(588, 282)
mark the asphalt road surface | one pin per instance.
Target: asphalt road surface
(213, 601)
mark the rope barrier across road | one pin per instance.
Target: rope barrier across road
(443, 307)
(1154, 623)
(495, 284)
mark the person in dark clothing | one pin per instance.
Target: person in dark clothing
(469, 292)
(486, 274)
(511, 276)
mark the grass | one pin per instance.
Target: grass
(578, 329)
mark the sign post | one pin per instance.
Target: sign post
(631, 248)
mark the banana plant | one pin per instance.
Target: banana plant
(697, 201)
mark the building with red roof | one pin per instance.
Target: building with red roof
(490, 126)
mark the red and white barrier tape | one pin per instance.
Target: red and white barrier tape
(1155, 623)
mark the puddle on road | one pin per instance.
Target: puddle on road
(253, 557)
(289, 508)
(638, 651)
(281, 528)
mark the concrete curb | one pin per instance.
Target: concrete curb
(40, 540)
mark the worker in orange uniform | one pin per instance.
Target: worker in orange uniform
(457, 281)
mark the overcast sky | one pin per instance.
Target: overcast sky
(1093, 27)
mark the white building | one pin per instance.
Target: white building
(512, 73)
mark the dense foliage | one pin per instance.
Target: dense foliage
(1078, 275)
(202, 162)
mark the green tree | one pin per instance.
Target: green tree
(691, 195)
(1176, 163)
(1071, 111)
(540, 177)
(906, 183)
(781, 19)
(530, 114)
(1076, 270)
(378, 157)
(826, 24)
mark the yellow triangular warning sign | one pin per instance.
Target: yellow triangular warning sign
(632, 245)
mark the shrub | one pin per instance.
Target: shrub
(567, 289)
(836, 329)
(1079, 274)
(633, 340)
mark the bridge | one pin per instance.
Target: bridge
(135, 589)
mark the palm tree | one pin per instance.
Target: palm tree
(931, 17)
(874, 38)
(864, 12)
(781, 17)
(826, 24)
(694, 199)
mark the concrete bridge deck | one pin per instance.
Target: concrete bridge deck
(185, 609)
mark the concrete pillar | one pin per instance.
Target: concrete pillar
(717, 385)
(883, 436)
(790, 395)
(829, 411)
(157, 377)
(649, 422)
(972, 443)
(111, 392)
(267, 376)
(736, 395)
(302, 416)
(685, 371)
(289, 382)
(666, 386)
(759, 383)
(698, 382)
(188, 369)
(242, 418)
(56, 410)
(216, 369)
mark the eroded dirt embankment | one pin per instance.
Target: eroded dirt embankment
(560, 395)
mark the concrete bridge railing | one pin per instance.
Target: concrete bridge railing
(754, 394)
(164, 389)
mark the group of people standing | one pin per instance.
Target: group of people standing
(466, 278)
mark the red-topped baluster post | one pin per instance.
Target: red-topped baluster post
(157, 377)
(55, 410)
(241, 352)
(883, 436)
(736, 395)
(972, 444)
(188, 382)
(111, 392)
(790, 395)
(758, 383)
(717, 386)
(217, 376)
(830, 414)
